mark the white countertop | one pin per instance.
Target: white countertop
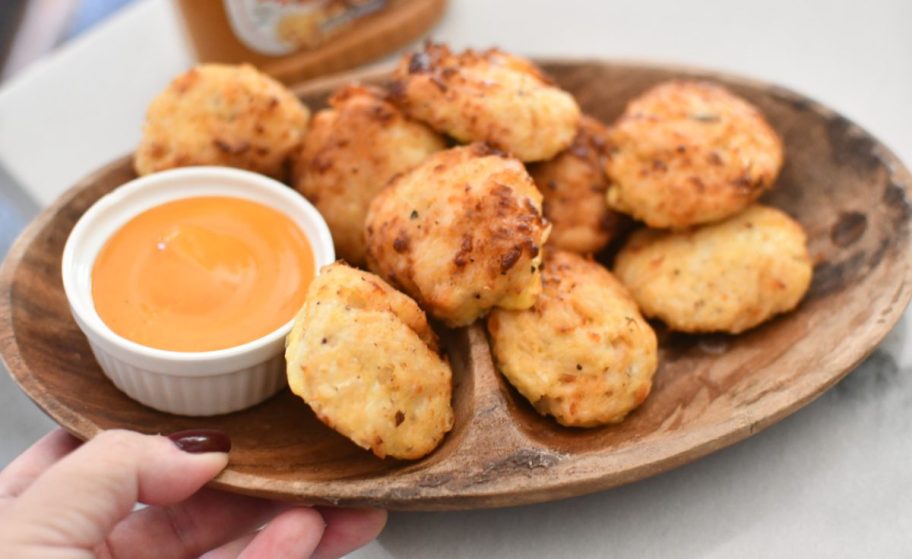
(833, 480)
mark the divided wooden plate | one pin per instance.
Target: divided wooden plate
(850, 193)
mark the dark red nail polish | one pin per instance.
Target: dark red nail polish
(198, 441)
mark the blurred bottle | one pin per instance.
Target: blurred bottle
(298, 39)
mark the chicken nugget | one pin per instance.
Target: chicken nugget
(573, 185)
(488, 96)
(583, 353)
(688, 152)
(222, 115)
(723, 277)
(461, 233)
(349, 154)
(363, 357)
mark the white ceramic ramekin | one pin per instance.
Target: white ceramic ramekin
(186, 383)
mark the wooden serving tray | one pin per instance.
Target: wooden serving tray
(850, 193)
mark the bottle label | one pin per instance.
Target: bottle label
(279, 27)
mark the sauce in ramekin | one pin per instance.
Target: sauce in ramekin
(201, 274)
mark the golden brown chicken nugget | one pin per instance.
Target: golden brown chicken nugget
(583, 353)
(488, 96)
(363, 357)
(573, 185)
(222, 115)
(689, 152)
(349, 154)
(461, 233)
(722, 277)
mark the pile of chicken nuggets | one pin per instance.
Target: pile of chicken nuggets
(472, 188)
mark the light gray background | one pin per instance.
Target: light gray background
(833, 480)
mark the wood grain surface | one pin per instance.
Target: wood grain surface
(848, 191)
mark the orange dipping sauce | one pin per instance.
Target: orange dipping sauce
(201, 274)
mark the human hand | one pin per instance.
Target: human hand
(66, 500)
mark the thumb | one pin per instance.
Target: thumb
(79, 500)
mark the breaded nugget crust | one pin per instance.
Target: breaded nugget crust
(222, 115)
(460, 233)
(349, 154)
(488, 96)
(688, 152)
(573, 185)
(723, 277)
(583, 353)
(363, 357)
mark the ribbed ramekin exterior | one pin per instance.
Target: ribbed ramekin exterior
(195, 395)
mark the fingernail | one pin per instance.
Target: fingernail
(198, 441)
